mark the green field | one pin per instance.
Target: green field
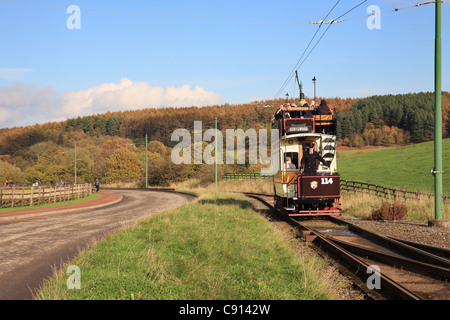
(405, 167)
(216, 248)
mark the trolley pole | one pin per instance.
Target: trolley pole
(438, 117)
(215, 152)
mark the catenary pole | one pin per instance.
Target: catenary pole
(438, 116)
(75, 179)
(146, 161)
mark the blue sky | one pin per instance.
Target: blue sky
(123, 57)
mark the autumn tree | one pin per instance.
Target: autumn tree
(10, 172)
(51, 167)
(163, 172)
(123, 164)
(109, 146)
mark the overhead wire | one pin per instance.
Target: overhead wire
(393, 10)
(299, 62)
(312, 39)
(338, 20)
(327, 30)
(318, 41)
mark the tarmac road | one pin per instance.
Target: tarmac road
(34, 244)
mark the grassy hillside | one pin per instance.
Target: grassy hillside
(403, 167)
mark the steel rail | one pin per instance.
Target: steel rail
(395, 260)
(359, 265)
(421, 252)
(388, 284)
(438, 251)
(407, 250)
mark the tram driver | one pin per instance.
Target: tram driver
(309, 160)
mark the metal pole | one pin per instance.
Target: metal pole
(314, 81)
(146, 161)
(75, 181)
(438, 117)
(215, 152)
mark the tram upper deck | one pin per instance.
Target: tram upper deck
(292, 120)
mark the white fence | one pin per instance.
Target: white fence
(29, 196)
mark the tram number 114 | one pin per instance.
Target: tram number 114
(327, 180)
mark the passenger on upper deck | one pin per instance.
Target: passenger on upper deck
(323, 108)
(306, 113)
(331, 109)
(280, 114)
(294, 114)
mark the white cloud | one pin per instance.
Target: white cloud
(22, 95)
(33, 102)
(8, 116)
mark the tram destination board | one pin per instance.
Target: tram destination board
(299, 127)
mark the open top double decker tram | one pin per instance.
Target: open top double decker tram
(296, 191)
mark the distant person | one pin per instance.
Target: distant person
(97, 184)
(289, 164)
(309, 160)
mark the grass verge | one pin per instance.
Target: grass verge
(361, 205)
(216, 248)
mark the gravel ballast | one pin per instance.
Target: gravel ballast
(417, 231)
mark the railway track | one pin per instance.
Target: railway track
(386, 267)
